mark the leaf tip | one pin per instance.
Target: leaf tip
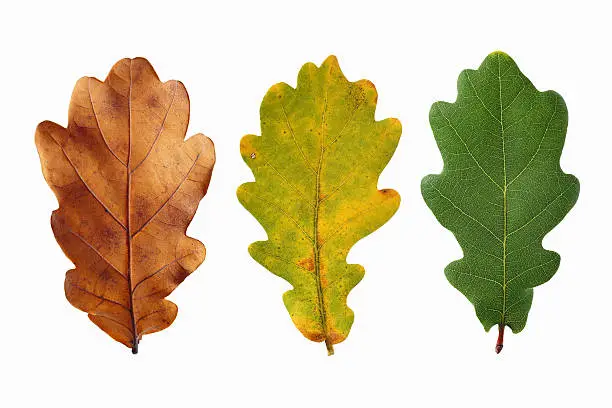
(500, 53)
(332, 60)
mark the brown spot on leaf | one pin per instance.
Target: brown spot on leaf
(153, 102)
(307, 263)
(335, 337)
(105, 275)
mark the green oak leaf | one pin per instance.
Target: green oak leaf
(502, 188)
(316, 168)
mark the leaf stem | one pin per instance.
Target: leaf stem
(330, 347)
(500, 339)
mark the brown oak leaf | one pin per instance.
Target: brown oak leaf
(128, 186)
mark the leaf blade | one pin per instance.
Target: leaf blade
(316, 166)
(502, 188)
(118, 170)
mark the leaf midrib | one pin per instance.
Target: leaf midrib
(324, 147)
(505, 195)
(316, 248)
(128, 212)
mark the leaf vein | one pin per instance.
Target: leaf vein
(144, 225)
(93, 109)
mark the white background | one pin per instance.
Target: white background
(416, 340)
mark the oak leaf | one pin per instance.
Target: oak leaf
(128, 186)
(316, 168)
(502, 188)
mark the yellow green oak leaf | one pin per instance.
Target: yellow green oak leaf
(316, 167)
(502, 188)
